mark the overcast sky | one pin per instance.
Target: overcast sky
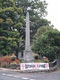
(53, 9)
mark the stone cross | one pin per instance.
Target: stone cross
(28, 54)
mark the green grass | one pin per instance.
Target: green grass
(20, 60)
(58, 67)
(41, 61)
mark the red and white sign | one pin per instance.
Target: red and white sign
(34, 66)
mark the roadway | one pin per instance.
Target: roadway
(15, 75)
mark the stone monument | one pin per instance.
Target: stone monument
(28, 54)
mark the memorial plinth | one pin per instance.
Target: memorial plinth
(28, 54)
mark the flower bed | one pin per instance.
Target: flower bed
(7, 62)
(38, 58)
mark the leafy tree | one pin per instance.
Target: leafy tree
(37, 10)
(47, 44)
(11, 20)
(42, 30)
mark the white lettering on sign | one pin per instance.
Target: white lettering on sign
(34, 66)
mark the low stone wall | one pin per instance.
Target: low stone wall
(53, 65)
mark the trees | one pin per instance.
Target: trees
(42, 30)
(48, 43)
(12, 24)
(37, 10)
(11, 20)
(36, 6)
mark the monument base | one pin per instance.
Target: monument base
(28, 56)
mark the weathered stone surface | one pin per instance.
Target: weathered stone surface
(28, 54)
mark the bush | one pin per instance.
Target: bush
(36, 56)
(13, 63)
(17, 61)
(6, 61)
(4, 64)
(45, 59)
(13, 57)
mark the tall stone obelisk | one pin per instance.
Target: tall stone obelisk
(27, 41)
(28, 54)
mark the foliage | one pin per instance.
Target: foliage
(4, 64)
(47, 44)
(45, 59)
(58, 67)
(6, 61)
(13, 57)
(17, 61)
(11, 21)
(34, 6)
(37, 10)
(13, 63)
(12, 24)
(42, 30)
(41, 61)
(36, 56)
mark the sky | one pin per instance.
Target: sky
(53, 9)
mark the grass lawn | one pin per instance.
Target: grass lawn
(58, 66)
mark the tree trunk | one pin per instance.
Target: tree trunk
(17, 51)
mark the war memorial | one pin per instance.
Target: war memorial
(28, 64)
(28, 54)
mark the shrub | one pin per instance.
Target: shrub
(0, 60)
(45, 59)
(4, 64)
(5, 59)
(36, 56)
(13, 63)
(13, 57)
(17, 61)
